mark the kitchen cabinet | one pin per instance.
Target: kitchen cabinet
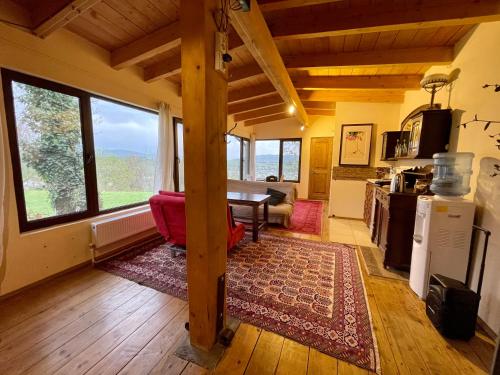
(390, 140)
(367, 212)
(425, 134)
(394, 220)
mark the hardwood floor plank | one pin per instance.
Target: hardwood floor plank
(396, 328)
(236, 357)
(348, 369)
(95, 352)
(79, 343)
(390, 357)
(161, 346)
(321, 364)
(118, 358)
(193, 369)
(49, 321)
(293, 358)
(19, 359)
(266, 354)
(440, 353)
(20, 307)
(170, 363)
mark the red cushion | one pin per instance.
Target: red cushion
(169, 213)
(172, 193)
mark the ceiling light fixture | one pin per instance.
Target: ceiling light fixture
(302, 128)
(433, 83)
(291, 109)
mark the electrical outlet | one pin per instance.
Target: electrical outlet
(220, 50)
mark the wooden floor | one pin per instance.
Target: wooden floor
(91, 322)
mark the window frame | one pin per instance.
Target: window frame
(176, 154)
(280, 166)
(88, 151)
(176, 120)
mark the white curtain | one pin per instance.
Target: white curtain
(2, 194)
(252, 157)
(164, 173)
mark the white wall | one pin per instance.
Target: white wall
(383, 116)
(69, 59)
(477, 62)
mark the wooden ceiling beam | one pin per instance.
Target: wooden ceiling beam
(263, 120)
(253, 104)
(250, 92)
(358, 82)
(252, 29)
(431, 56)
(320, 112)
(61, 18)
(15, 14)
(308, 104)
(270, 5)
(368, 96)
(381, 17)
(272, 110)
(162, 69)
(244, 72)
(148, 46)
(172, 65)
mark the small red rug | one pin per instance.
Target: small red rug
(306, 217)
(309, 291)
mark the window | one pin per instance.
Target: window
(125, 142)
(278, 157)
(179, 154)
(238, 156)
(234, 157)
(75, 155)
(245, 161)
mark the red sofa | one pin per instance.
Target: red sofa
(169, 213)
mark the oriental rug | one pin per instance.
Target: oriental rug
(309, 291)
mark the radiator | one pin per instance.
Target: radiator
(110, 235)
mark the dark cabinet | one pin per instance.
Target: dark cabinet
(428, 133)
(389, 142)
(367, 212)
(394, 220)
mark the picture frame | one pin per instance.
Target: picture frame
(355, 145)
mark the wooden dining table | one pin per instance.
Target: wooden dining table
(254, 201)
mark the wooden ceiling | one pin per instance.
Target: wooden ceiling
(343, 50)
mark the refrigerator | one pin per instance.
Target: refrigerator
(441, 240)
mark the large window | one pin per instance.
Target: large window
(74, 154)
(179, 154)
(125, 142)
(238, 157)
(278, 157)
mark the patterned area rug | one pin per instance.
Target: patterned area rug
(306, 217)
(309, 291)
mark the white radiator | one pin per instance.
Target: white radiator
(116, 232)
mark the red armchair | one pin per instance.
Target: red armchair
(169, 213)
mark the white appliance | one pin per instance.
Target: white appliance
(347, 198)
(441, 240)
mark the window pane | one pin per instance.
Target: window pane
(233, 157)
(180, 154)
(291, 160)
(267, 159)
(50, 146)
(246, 159)
(125, 142)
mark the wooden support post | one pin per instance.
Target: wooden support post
(204, 103)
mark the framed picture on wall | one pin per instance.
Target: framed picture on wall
(355, 144)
